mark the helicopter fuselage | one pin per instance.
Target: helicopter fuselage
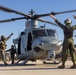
(37, 43)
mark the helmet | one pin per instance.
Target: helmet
(12, 46)
(67, 21)
(3, 37)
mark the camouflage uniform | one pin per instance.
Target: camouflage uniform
(3, 47)
(68, 42)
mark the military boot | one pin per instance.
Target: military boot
(74, 66)
(5, 63)
(61, 67)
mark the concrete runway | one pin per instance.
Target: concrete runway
(36, 68)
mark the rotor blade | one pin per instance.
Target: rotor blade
(13, 19)
(42, 15)
(47, 22)
(54, 13)
(12, 11)
(65, 12)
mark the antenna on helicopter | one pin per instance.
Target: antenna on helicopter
(32, 12)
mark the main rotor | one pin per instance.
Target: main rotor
(31, 16)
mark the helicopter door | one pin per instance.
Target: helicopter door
(29, 42)
(20, 43)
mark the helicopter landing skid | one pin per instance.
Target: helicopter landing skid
(54, 62)
(18, 61)
(24, 61)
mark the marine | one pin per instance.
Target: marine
(12, 53)
(68, 42)
(3, 47)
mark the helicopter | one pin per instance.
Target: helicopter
(34, 42)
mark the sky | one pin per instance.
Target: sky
(40, 7)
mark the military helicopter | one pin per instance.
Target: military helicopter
(35, 43)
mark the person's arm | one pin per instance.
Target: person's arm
(52, 16)
(59, 24)
(74, 16)
(74, 27)
(8, 50)
(9, 36)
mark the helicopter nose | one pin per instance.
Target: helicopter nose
(37, 49)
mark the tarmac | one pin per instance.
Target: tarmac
(36, 68)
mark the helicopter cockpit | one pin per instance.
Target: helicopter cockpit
(39, 33)
(51, 32)
(44, 32)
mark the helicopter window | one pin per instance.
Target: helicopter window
(29, 42)
(39, 33)
(51, 33)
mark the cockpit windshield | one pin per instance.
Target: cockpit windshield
(45, 32)
(51, 32)
(39, 33)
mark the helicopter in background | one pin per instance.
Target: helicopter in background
(35, 43)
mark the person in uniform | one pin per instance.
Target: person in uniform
(68, 43)
(12, 53)
(3, 47)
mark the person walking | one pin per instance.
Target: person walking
(12, 53)
(68, 43)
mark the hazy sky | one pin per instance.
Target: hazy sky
(40, 7)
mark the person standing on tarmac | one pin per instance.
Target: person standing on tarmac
(68, 43)
(12, 53)
(3, 47)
